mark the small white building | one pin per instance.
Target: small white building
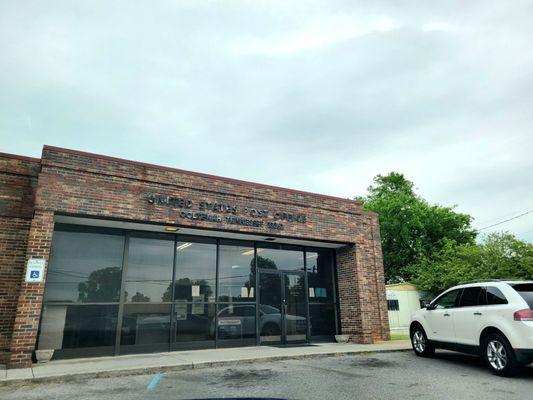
(403, 299)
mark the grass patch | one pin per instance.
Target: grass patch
(399, 336)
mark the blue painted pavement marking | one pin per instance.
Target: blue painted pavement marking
(154, 381)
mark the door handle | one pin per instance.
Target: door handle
(478, 313)
(446, 315)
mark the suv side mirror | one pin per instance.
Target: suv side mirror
(426, 304)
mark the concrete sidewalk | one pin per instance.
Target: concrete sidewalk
(85, 368)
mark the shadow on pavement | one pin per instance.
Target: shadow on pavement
(476, 363)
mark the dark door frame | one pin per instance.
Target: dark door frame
(283, 298)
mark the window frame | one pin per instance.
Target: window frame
(480, 291)
(487, 296)
(457, 299)
(218, 304)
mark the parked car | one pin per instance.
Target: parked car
(491, 318)
(238, 321)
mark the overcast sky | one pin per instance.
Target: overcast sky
(318, 96)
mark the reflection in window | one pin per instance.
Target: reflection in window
(320, 279)
(269, 324)
(471, 297)
(78, 326)
(194, 322)
(149, 272)
(322, 319)
(495, 296)
(280, 257)
(145, 325)
(195, 270)
(295, 309)
(236, 273)
(236, 324)
(84, 267)
(448, 300)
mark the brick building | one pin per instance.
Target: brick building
(103, 256)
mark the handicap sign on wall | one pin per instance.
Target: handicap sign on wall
(35, 270)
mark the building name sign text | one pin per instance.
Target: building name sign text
(227, 213)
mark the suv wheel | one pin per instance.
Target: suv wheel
(499, 355)
(421, 346)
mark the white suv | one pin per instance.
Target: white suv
(491, 318)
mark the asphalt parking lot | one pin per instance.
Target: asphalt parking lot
(396, 375)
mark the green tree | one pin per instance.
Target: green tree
(412, 229)
(182, 289)
(498, 256)
(263, 263)
(102, 285)
(139, 298)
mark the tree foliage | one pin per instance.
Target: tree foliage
(139, 297)
(102, 285)
(499, 256)
(412, 229)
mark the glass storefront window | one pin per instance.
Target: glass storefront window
(78, 326)
(196, 265)
(149, 272)
(236, 324)
(146, 327)
(320, 276)
(322, 319)
(280, 257)
(320, 280)
(162, 311)
(85, 266)
(236, 275)
(195, 322)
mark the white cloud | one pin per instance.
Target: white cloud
(440, 26)
(322, 33)
(319, 96)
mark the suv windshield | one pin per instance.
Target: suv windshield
(526, 291)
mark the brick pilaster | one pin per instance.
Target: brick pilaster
(382, 321)
(361, 283)
(31, 294)
(13, 245)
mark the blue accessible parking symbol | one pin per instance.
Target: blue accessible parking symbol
(35, 270)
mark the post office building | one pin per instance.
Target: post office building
(101, 256)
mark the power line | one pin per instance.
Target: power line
(507, 220)
(506, 215)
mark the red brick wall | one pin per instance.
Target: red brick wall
(361, 283)
(18, 177)
(82, 184)
(31, 294)
(13, 240)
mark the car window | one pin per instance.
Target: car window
(266, 309)
(244, 311)
(447, 300)
(470, 297)
(495, 296)
(526, 291)
(483, 297)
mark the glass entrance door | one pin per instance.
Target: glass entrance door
(271, 308)
(283, 309)
(295, 308)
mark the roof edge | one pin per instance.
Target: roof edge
(199, 174)
(19, 157)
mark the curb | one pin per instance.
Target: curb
(82, 376)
